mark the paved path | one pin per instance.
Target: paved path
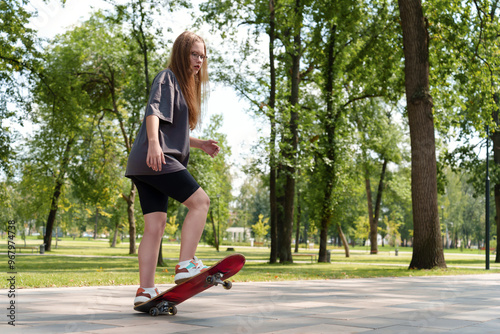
(455, 304)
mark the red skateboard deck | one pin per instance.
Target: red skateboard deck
(217, 274)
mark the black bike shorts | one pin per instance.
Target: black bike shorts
(154, 190)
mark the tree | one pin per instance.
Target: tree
(253, 199)
(260, 228)
(397, 197)
(109, 82)
(427, 244)
(112, 82)
(19, 67)
(392, 229)
(362, 229)
(381, 143)
(143, 40)
(96, 180)
(63, 117)
(171, 227)
(468, 85)
(350, 51)
(280, 23)
(340, 42)
(462, 209)
(214, 177)
(273, 257)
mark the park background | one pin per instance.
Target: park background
(308, 105)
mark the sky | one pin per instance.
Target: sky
(241, 129)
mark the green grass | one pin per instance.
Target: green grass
(114, 266)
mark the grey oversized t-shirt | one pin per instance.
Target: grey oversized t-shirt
(167, 102)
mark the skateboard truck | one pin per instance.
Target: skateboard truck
(216, 279)
(164, 307)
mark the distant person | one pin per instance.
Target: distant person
(158, 159)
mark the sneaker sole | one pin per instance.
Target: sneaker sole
(182, 280)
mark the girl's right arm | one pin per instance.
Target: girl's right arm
(155, 157)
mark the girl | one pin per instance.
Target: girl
(158, 159)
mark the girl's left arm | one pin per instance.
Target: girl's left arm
(210, 146)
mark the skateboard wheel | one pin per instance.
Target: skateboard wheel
(172, 310)
(227, 285)
(154, 311)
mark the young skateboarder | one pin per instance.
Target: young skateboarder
(158, 159)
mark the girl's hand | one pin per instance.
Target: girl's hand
(155, 157)
(210, 147)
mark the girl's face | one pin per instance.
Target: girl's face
(197, 56)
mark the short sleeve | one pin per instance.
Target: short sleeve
(161, 98)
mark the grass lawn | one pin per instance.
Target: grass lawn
(91, 263)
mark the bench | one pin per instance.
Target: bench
(33, 248)
(313, 256)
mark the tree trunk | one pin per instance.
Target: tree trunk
(216, 238)
(374, 216)
(326, 217)
(96, 220)
(290, 153)
(131, 217)
(115, 235)
(286, 239)
(427, 244)
(47, 239)
(297, 230)
(142, 40)
(306, 233)
(273, 258)
(496, 158)
(330, 126)
(373, 234)
(160, 262)
(344, 240)
(497, 219)
(280, 206)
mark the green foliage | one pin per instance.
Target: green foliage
(260, 228)
(465, 63)
(361, 228)
(19, 65)
(392, 230)
(462, 211)
(171, 227)
(90, 85)
(214, 176)
(253, 200)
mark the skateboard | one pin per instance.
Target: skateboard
(165, 302)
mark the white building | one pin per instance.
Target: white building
(236, 234)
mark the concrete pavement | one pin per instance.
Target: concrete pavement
(455, 304)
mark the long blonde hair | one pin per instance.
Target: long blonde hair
(194, 87)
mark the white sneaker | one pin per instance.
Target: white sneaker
(145, 294)
(187, 269)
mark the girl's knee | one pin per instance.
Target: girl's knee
(155, 223)
(156, 229)
(204, 201)
(199, 200)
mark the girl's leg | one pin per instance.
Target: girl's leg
(194, 223)
(154, 226)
